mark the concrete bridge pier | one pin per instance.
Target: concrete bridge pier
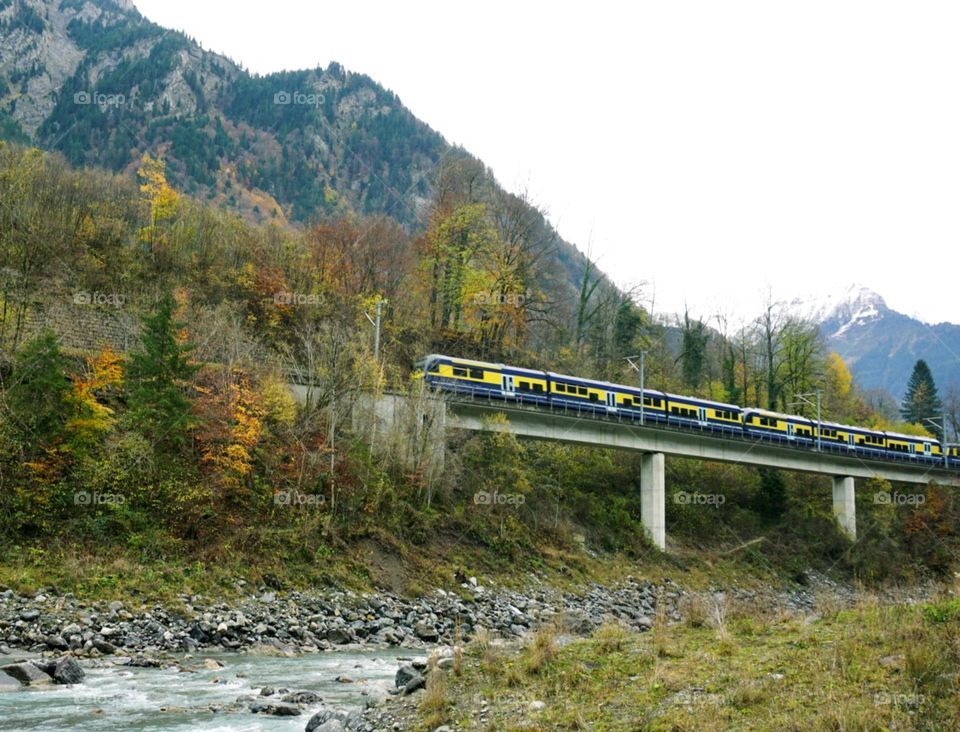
(844, 505)
(653, 498)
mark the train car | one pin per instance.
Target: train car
(582, 394)
(836, 437)
(480, 378)
(925, 449)
(691, 411)
(779, 427)
(654, 403)
(953, 452)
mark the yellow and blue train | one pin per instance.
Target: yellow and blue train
(529, 386)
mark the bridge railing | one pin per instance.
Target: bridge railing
(673, 424)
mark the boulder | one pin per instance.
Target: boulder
(275, 708)
(67, 671)
(326, 720)
(26, 673)
(413, 685)
(404, 674)
(30, 613)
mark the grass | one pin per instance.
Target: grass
(867, 667)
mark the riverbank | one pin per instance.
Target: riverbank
(662, 646)
(870, 663)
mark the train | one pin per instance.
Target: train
(560, 391)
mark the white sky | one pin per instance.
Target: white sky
(712, 149)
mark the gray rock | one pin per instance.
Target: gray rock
(277, 709)
(30, 613)
(67, 671)
(26, 673)
(8, 683)
(426, 632)
(104, 646)
(331, 725)
(57, 643)
(413, 685)
(325, 721)
(404, 674)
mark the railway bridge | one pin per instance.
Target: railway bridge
(656, 442)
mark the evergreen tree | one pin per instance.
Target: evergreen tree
(159, 405)
(693, 357)
(921, 401)
(37, 395)
(771, 498)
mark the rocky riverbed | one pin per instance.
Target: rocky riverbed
(50, 639)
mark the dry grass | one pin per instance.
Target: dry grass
(611, 637)
(541, 650)
(695, 610)
(660, 631)
(435, 702)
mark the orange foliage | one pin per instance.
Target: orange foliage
(232, 419)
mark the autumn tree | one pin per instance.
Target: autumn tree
(92, 419)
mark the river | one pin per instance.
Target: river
(167, 700)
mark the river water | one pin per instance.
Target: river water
(168, 700)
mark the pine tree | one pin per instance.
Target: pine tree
(921, 402)
(159, 405)
(37, 394)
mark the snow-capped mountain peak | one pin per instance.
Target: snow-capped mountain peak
(837, 312)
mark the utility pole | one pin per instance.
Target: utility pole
(943, 436)
(641, 369)
(805, 399)
(376, 337)
(376, 328)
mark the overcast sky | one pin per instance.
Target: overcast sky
(712, 149)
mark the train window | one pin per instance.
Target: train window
(538, 387)
(435, 367)
(476, 373)
(561, 388)
(628, 401)
(594, 398)
(459, 371)
(523, 385)
(582, 391)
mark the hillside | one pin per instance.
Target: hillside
(100, 83)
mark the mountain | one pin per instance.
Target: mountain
(879, 344)
(98, 82)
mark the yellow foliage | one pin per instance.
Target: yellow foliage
(277, 401)
(91, 418)
(158, 193)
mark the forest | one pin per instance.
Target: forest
(187, 445)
